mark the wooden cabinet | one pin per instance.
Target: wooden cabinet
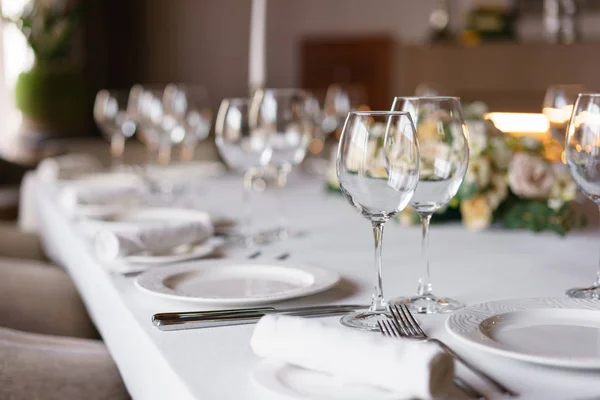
(508, 77)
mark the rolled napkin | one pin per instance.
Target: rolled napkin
(154, 237)
(409, 368)
(67, 166)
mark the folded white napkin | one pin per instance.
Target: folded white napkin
(67, 166)
(101, 190)
(409, 368)
(154, 237)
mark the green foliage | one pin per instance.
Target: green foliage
(537, 216)
(56, 97)
(466, 191)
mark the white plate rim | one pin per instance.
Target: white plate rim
(264, 375)
(150, 280)
(464, 325)
(198, 251)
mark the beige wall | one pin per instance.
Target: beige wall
(206, 41)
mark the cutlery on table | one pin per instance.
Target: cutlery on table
(280, 257)
(208, 319)
(408, 327)
(388, 329)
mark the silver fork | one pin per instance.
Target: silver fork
(408, 327)
(388, 329)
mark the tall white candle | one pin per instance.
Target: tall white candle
(258, 27)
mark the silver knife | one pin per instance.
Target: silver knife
(240, 316)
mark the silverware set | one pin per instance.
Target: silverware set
(402, 324)
(280, 257)
(209, 319)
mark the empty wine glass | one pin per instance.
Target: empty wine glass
(339, 100)
(190, 107)
(244, 149)
(285, 115)
(378, 170)
(444, 149)
(114, 112)
(558, 106)
(155, 127)
(582, 152)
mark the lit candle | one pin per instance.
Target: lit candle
(256, 64)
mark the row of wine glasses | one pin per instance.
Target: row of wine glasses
(415, 154)
(160, 116)
(272, 129)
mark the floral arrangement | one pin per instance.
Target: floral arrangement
(515, 181)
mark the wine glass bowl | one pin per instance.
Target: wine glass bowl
(378, 169)
(444, 157)
(243, 149)
(189, 106)
(114, 113)
(582, 153)
(558, 106)
(287, 117)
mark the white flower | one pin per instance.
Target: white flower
(498, 190)
(530, 143)
(479, 172)
(435, 159)
(477, 137)
(407, 217)
(564, 188)
(501, 153)
(555, 204)
(377, 130)
(476, 213)
(530, 177)
(475, 110)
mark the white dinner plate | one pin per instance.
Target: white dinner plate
(561, 332)
(228, 282)
(299, 383)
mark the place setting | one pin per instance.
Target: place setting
(419, 158)
(379, 181)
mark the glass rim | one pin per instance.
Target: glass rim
(380, 113)
(282, 90)
(589, 94)
(440, 98)
(236, 99)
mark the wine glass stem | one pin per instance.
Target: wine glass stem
(117, 148)
(247, 206)
(425, 287)
(164, 152)
(597, 282)
(378, 303)
(281, 183)
(188, 152)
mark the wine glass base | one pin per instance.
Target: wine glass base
(429, 304)
(592, 293)
(365, 321)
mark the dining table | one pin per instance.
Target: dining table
(217, 363)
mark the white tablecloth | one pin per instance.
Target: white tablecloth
(216, 363)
